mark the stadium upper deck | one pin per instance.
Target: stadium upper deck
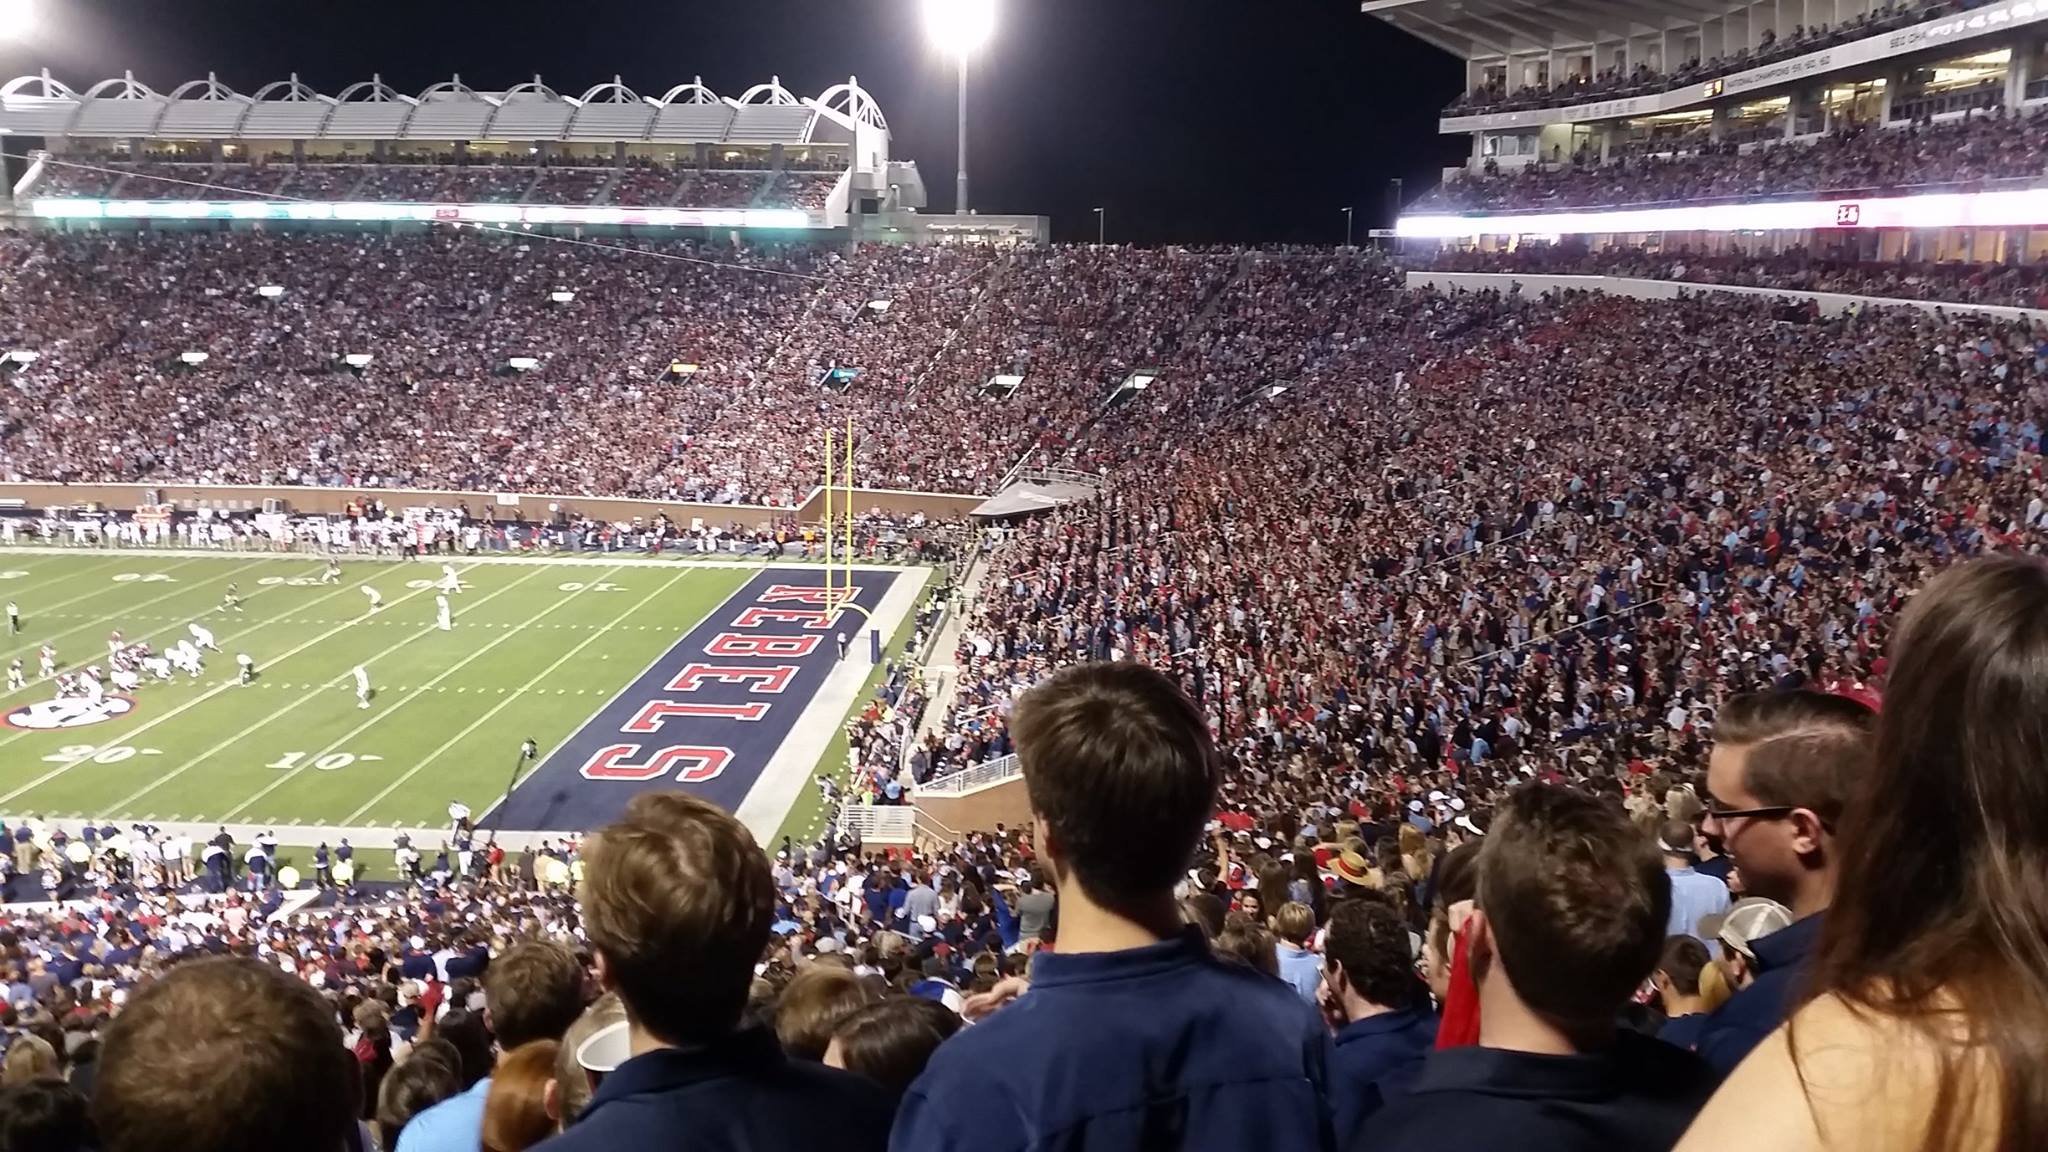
(528, 154)
(1683, 111)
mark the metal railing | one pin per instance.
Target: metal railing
(874, 824)
(973, 779)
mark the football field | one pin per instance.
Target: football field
(570, 653)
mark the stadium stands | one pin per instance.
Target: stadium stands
(1642, 79)
(1997, 150)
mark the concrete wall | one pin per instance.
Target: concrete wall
(1831, 303)
(1005, 803)
(507, 505)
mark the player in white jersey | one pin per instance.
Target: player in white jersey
(376, 597)
(450, 582)
(441, 619)
(333, 573)
(157, 666)
(126, 679)
(203, 637)
(362, 687)
(46, 662)
(247, 666)
(113, 643)
(186, 657)
(15, 680)
(95, 691)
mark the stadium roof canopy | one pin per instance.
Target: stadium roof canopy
(451, 110)
(1470, 29)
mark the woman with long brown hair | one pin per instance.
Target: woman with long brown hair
(1926, 1021)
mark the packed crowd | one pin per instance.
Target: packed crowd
(1163, 959)
(1794, 269)
(1642, 80)
(1864, 159)
(469, 182)
(660, 370)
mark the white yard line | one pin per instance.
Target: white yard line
(121, 805)
(385, 713)
(250, 626)
(516, 693)
(189, 704)
(42, 640)
(573, 559)
(13, 591)
(794, 761)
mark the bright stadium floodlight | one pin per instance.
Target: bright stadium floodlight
(17, 20)
(960, 28)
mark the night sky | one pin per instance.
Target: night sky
(1192, 121)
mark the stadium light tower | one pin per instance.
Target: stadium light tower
(960, 28)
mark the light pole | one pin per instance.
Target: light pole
(1101, 228)
(959, 28)
(1347, 227)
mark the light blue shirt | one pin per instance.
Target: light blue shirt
(1301, 968)
(1694, 896)
(454, 1125)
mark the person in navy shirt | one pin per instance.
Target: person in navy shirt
(1385, 1027)
(1568, 923)
(1132, 1033)
(1778, 783)
(678, 905)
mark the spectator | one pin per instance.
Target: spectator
(1778, 781)
(532, 991)
(29, 1058)
(225, 1055)
(1568, 924)
(1244, 939)
(524, 1106)
(678, 903)
(1677, 980)
(44, 1116)
(1295, 926)
(1922, 1023)
(572, 1080)
(1379, 1007)
(430, 1075)
(1035, 910)
(1132, 1024)
(1694, 896)
(812, 1006)
(891, 1040)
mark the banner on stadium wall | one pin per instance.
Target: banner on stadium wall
(503, 215)
(2024, 208)
(1950, 29)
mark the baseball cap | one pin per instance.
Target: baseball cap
(1746, 921)
(606, 1049)
(1415, 805)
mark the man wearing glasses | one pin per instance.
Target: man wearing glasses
(1777, 782)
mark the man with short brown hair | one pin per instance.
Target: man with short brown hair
(1778, 784)
(532, 991)
(225, 1055)
(1568, 922)
(1133, 1034)
(677, 905)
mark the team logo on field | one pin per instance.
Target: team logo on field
(49, 715)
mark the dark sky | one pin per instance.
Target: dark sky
(1190, 120)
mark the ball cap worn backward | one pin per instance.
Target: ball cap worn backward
(1746, 921)
(605, 1050)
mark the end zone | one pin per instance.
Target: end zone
(737, 712)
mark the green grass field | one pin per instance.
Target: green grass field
(536, 649)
